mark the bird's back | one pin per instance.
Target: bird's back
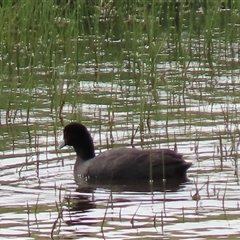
(132, 163)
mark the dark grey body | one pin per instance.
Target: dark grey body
(132, 163)
(122, 163)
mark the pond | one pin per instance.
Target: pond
(190, 106)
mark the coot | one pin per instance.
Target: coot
(121, 163)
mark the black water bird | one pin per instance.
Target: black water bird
(121, 163)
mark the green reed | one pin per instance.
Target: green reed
(46, 46)
(48, 33)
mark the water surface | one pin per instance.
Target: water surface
(191, 105)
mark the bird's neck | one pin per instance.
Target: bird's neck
(85, 152)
